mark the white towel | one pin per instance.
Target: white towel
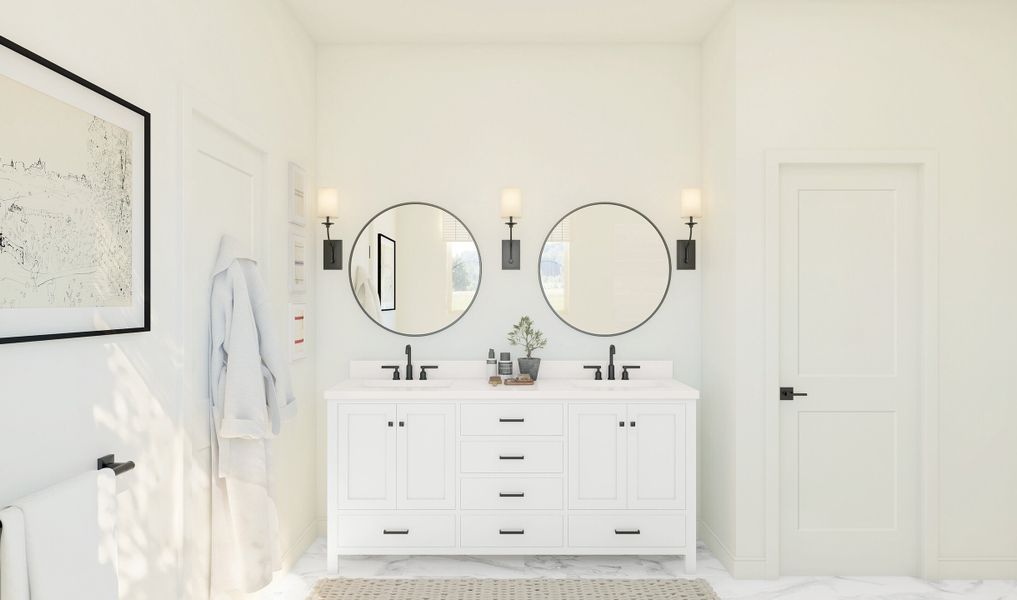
(13, 556)
(366, 294)
(69, 541)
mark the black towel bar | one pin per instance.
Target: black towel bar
(108, 462)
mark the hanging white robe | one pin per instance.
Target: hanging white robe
(251, 397)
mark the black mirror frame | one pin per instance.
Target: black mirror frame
(349, 268)
(667, 252)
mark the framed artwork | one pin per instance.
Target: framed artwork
(297, 199)
(74, 204)
(297, 261)
(386, 272)
(297, 327)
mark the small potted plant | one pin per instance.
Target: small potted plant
(523, 334)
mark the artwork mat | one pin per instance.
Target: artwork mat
(297, 267)
(41, 323)
(296, 206)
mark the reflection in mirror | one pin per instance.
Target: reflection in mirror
(415, 269)
(605, 269)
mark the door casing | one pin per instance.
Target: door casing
(927, 163)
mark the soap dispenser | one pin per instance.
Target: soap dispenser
(492, 364)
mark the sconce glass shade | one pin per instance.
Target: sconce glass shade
(328, 202)
(511, 203)
(692, 203)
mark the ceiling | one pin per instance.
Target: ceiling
(507, 21)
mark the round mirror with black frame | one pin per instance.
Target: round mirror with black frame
(415, 269)
(605, 269)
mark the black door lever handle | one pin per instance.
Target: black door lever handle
(789, 393)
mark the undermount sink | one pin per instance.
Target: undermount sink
(402, 384)
(617, 384)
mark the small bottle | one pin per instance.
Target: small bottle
(505, 365)
(492, 364)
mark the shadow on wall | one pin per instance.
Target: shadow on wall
(135, 425)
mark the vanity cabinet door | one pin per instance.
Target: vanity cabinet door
(656, 456)
(597, 447)
(366, 439)
(427, 458)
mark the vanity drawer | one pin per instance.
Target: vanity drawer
(512, 530)
(397, 531)
(627, 530)
(510, 457)
(512, 419)
(511, 493)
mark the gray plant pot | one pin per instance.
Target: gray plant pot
(530, 366)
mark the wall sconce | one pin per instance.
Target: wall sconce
(692, 207)
(332, 250)
(511, 209)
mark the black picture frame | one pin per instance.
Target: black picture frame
(146, 277)
(383, 241)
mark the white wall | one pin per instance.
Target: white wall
(63, 403)
(717, 414)
(869, 74)
(452, 125)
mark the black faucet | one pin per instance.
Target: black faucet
(610, 364)
(409, 362)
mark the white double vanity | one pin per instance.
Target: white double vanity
(454, 466)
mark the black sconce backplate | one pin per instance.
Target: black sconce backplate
(510, 255)
(682, 264)
(332, 255)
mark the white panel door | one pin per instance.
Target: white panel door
(366, 438)
(225, 182)
(849, 338)
(224, 196)
(427, 459)
(656, 456)
(597, 448)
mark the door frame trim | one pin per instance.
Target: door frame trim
(927, 162)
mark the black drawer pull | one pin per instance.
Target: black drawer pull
(512, 457)
(511, 531)
(626, 532)
(511, 420)
(396, 531)
(511, 495)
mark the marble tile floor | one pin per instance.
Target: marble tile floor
(311, 567)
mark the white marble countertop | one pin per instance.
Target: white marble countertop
(467, 380)
(480, 390)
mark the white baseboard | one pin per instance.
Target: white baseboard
(976, 568)
(738, 567)
(717, 547)
(292, 554)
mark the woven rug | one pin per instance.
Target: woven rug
(513, 589)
